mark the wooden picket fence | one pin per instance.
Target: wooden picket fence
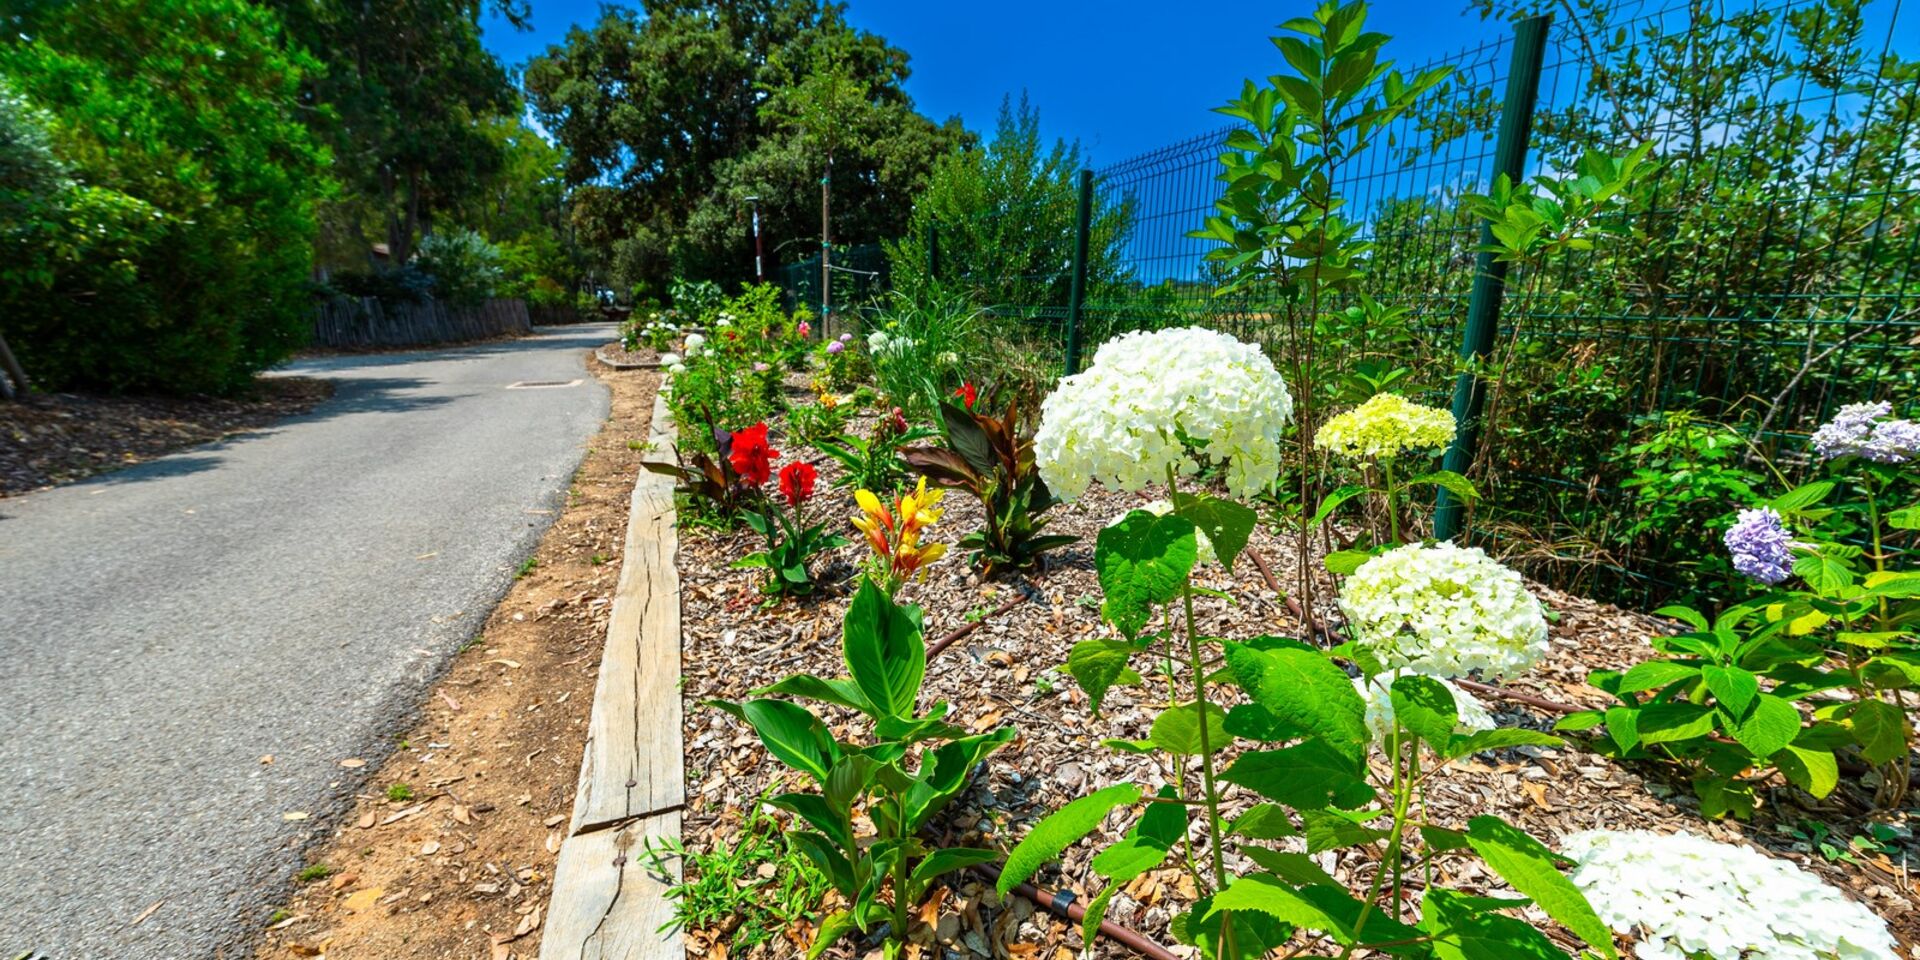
(361, 322)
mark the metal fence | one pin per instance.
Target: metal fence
(1770, 277)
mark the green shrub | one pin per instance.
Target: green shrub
(465, 268)
(180, 262)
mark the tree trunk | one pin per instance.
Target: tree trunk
(13, 371)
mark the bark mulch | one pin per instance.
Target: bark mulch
(1011, 670)
(48, 439)
(459, 865)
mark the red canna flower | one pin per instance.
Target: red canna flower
(796, 482)
(967, 393)
(752, 458)
(897, 421)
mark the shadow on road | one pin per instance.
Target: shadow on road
(582, 338)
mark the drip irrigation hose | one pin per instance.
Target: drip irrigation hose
(1062, 904)
(961, 631)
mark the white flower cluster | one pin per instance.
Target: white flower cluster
(1129, 416)
(673, 363)
(1378, 693)
(885, 345)
(1386, 426)
(724, 321)
(1161, 508)
(657, 327)
(1445, 611)
(694, 343)
(1685, 897)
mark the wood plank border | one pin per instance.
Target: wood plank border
(607, 902)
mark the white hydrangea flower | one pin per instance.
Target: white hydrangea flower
(1444, 611)
(694, 343)
(1387, 425)
(677, 368)
(1685, 897)
(1378, 693)
(670, 359)
(1122, 420)
(1161, 508)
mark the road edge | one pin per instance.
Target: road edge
(608, 900)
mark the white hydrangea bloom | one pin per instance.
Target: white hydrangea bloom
(669, 359)
(1686, 897)
(1386, 426)
(1161, 508)
(1444, 611)
(1121, 420)
(694, 343)
(1378, 693)
(677, 368)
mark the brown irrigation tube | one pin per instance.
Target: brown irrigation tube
(1063, 905)
(958, 632)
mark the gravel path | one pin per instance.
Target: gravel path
(192, 645)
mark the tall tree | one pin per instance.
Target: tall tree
(672, 116)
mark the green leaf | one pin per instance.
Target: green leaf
(1815, 771)
(1332, 501)
(1669, 722)
(1097, 665)
(943, 775)
(1254, 934)
(1177, 730)
(884, 652)
(1345, 562)
(840, 692)
(1260, 893)
(941, 862)
(1801, 497)
(829, 859)
(1307, 775)
(1295, 868)
(1462, 930)
(968, 439)
(793, 735)
(1733, 687)
(1304, 689)
(1263, 821)
(1533, 870)
(1227, 524)
(1655, 675)
(1441, 838)
(1880, 729)
(1330, 830)
(1772, 725)
(1452, 482)
(1583, 720)
(1096, 912)
(1498, 739)
(1142, 561)
(1623, 726)
(1905, 518)
(836, 925)
(1147, 842)
(1425, 707)
(1686, 615)
(815, 809)
(1061, 829)
(1826, 575)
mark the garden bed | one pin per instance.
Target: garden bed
(1009, 670)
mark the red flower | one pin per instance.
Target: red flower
(751, 457)
(796, 482)
(897, 421)
(967, 393)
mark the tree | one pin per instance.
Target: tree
(172, 253)
(406, 101)
(674, 115)
(1004, 220)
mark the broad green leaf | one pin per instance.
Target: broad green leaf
(1329, 830)
(1772, 725)
(1142, 562)
(1263, 821)
(1462, 931)
(884, 652)
(1801, 497)
(1825, 574)
(1147, 841)
(815, 809)
(829, 859)
(1452, 482)
(1880, 729)
(1584, 720)
(1061, 829)
(1498, 739)
(1441, 838)
(1815, 771)
(943, 774)
(1426, 708)
(793, 735)
(1733, 687)
(1097, 665)
(836, 925)
(1304, 689)
(1227, 524)
(849, 779)
(1655, 674)
(840, 691)
(1623, 726)
(1686, 615)
(1533, 870)
(1255, 722)
(1254, 934)
(1178, 730)
(1096, 912)
(1345, 562)
(1260, 893)
(1307, 775)
(1295, 868)
(1670, 722)
(941, 862)
(1905, 518)
(1332, 501)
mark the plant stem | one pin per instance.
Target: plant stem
(900, 875)
(1393, 502)
(1390, 858)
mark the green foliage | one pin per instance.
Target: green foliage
(1689, 480)
(886, 662)
(791, 543)
(1785, 682)
(168, 246)
(733, 376)
(674, 114)
(991, 458)
(922, 346)
(399, 793)
(724, 886)
(814, 423)
(874, 462)
(465, 268)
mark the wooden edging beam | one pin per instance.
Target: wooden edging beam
(609, 900)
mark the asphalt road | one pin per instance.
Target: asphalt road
(287, 593)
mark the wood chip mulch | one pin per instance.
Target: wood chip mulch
(48, 439)
(1011, 671)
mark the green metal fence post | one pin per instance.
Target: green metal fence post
(1076, 297)
(1490, 275)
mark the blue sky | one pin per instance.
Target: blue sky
(1122, 77)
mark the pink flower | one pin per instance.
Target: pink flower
(836, 346)
(846, 338)
(806, 329)
(761, 368)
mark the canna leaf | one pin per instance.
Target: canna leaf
(941, 862)
(793, 735)
(884, 653)
(1061, 829)
(839, 691)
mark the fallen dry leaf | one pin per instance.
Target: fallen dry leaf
(353, 763)
(359, 900)
(510, 664)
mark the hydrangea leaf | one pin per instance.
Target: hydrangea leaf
(1061, 829)
(1097, 665)
(1670, 722)
(1331, 830)
(1815, 771)
(1177, 730)
(1255, 934)
(1295, 868)
(1307, 775)
(1142, 562)
(1655, 674)
(1534, 870)
(1227, 524)
(1880, 729)
(1304, 689)
(1147, 842)
(1733, 687)
(1262, 821)
(1426, 708)
(1770, 726)
(1096, 912)
(1461, 930)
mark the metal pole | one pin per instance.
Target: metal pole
(826, 246)
(1489, 274)
(1076, 296)
(759, 250)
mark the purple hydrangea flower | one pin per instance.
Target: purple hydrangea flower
(1852, 433)
(1894, 441)
(1762, 547)
(836, 346)
(846, 338)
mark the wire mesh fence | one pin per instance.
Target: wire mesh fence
(1766, 277)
